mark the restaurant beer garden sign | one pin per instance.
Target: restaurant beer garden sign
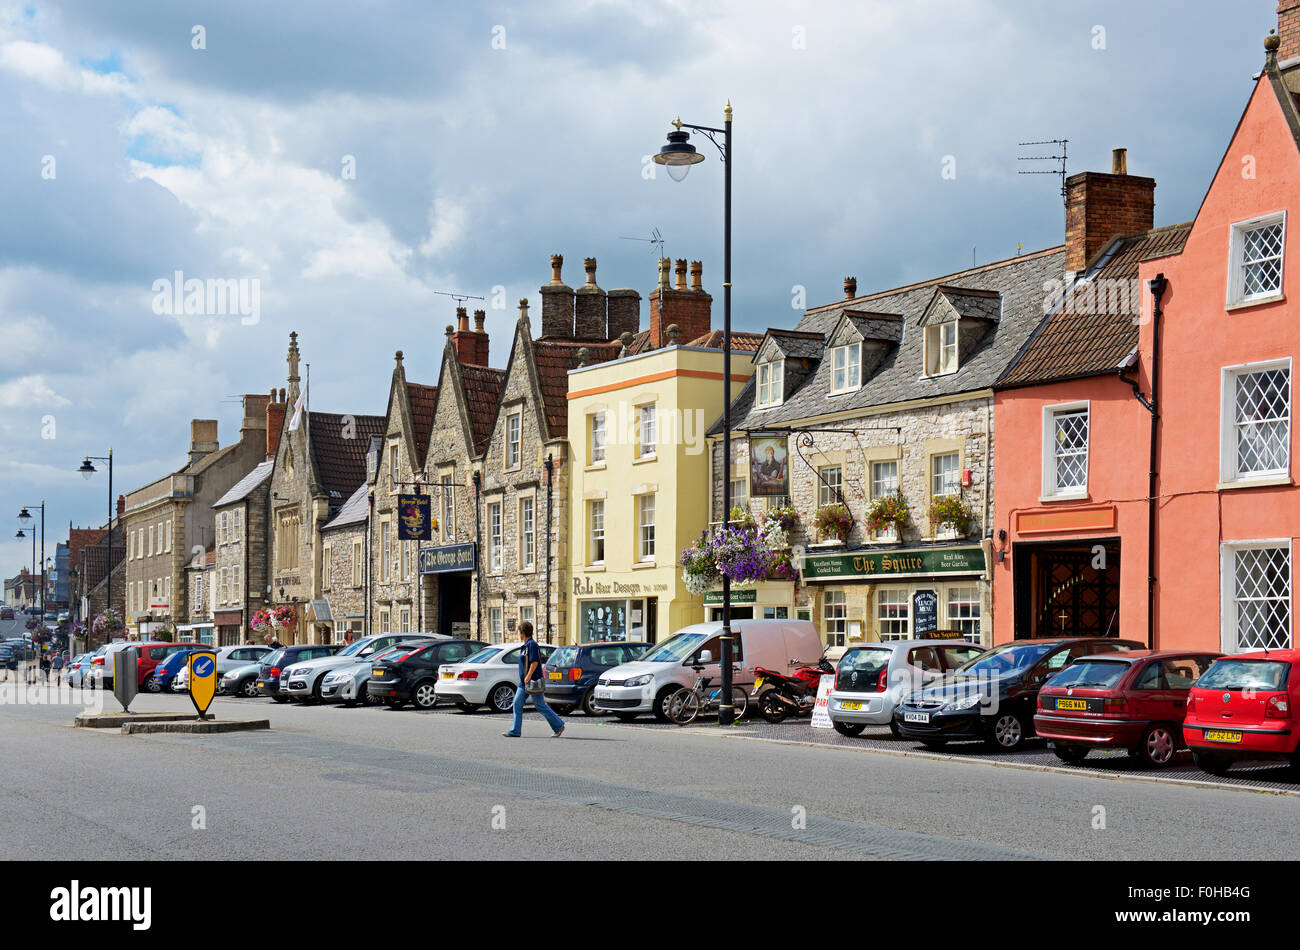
(883, 565)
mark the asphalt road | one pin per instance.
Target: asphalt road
(327, 782)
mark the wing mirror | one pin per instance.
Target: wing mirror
(706, 656)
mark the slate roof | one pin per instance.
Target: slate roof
(353, 511)
(554, 359)
(421, 400)
(341, 463)
(244, 487)
(876, 326)
(898, 377)
(482, 391)
(741, 341)
(1092, 334)
(960, 302)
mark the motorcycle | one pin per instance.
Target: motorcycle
(812, 675)
(787, 695)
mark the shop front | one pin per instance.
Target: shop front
(639, 608)
(766, 600)
(451, 567)
(1067, 588)
(230, 627)
(204, 631)
(873, 594)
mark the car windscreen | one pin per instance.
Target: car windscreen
(676, 649)
(1005, 659)
(1092, 674)
(564, 656)
(1245, 674)
(482, 656)
(272, 658)
(354, 648)
(865, 662)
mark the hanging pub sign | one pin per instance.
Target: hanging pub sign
(413, 518)
(769, 465)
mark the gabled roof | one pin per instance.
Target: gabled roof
(244, 487)
(884, 327)
(1094, 328)
(339, 461)
(353, 511)
(421, 400)
(794, 344)
(741, 342)
(554, 359)
(958, 303)
(481, 386)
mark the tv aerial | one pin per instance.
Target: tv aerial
(1059, 159)
(459, 298)
(655, 238)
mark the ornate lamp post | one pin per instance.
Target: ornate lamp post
(87, 470)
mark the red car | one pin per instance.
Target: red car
(1244, 707)
(1132, 701)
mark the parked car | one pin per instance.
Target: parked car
(349, 685)
(409, 673)
(161, 680)
(570, 675)
(151, 653)
(274, 663)
(1245, 707)
(303, 679)
(77, 669)
(871, 679)
(486, 678)
(6, 613)
(1134, 701)
(239, 655)
(993, 697)
(644, 685)
(241, 681)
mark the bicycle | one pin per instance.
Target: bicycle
(688, 702)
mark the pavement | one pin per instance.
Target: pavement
(327, 782)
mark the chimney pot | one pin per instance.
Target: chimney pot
(1119, 161)
(557, 264)
(850, 288)
(680, 270)
(697, 275)
(462, 319)
(590, 264)
(665, 266)
(479, 317)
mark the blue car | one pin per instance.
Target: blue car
(160, 679)
(570, 675)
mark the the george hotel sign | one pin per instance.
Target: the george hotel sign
(446, 559)
(886, 565)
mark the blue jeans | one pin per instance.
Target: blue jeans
(539, 700)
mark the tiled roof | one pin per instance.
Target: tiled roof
(640, 343)
(79, 538)
(482, 391)
(354, 510)
(421, 399)
(740, 341)
(554, 359)
(341, 462)
(244, 487)
(899, 377)
(207, 559)
(1096, 329)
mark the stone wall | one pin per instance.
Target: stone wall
(347, 600)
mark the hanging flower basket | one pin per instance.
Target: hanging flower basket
(785, 516)
(833, 522)
(886, 517)
(108, 624)
(950, 517)
(699, 570)
(740, 554)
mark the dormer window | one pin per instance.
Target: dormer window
(846, 366)
(941, 348)
(771, 383)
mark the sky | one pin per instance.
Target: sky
(345, 163)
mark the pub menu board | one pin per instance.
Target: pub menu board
(925, 612)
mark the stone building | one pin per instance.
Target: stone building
(345, 548)
(877, 397)
(240, 523)
(320, 461)
(169, 521)
(400, 470)
(200, 584)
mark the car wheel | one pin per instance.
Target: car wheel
(502, 698)
(1211, 763)
(660, 706)
(894, 730)
(152, 684)
(589, 703)
(363, 696)
(424, 696)
(1073, 754)
(316, 690)
(1158, 745)
(626, 717)
(1007, 732)
(249, 689)
(849, 728)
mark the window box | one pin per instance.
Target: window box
(886, 535)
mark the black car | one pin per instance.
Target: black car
(268, 675)
(570, 675)
(404, 675)
(993, 697)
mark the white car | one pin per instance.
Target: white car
(181, 681)
(487, 678)
(305, 680)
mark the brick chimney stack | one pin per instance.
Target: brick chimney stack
(203, 438)
(274, 422)
(1288, 30)
(121, 506)
(689, 308)
(557, 303)
(1100, 207)
(624, 313)
(589, 308)
(254, 423)
(471, 345)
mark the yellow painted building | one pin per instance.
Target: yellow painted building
(640, 487)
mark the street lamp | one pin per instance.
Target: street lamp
(678, 155)
(25, 517)
(87, 470)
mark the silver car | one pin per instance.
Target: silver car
(871, 679)
(306, 680)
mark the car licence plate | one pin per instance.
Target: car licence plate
(554, 676)
(758, 684)
(849, 704)
(916, 717)
(1080, 704)
(376, 672)
(1222, 735)
(448, 676)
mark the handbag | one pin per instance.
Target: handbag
(533, 687)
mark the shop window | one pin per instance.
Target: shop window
(829, 483)
(893, 614)
(834, 617)
(1255, 441)
(964, 611)
(1256, 599)
(776, 613)
(1255, 272)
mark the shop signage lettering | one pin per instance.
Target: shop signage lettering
(737, 597)
(446, 559)
(585, 586)
(875, 566)
(925, 611)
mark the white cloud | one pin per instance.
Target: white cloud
(30, 392)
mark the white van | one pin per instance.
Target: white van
(644, 685)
